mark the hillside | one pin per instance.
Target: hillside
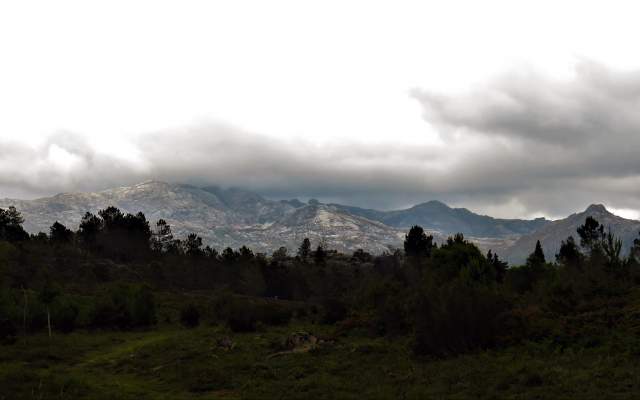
(553, 233)
(233, 217)
(438, 216)
(222, 217)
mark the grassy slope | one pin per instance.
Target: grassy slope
(173, 363)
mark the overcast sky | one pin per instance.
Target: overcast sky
(515, 109)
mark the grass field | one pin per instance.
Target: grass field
(175, 363)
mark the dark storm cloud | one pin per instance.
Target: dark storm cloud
(226, 155)
(223, 155)
(559, 145)
(528, 106)
(521, 144)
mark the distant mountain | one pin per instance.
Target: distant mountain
(222, 217)
(551, 234)
(235, 217)
(437, 216)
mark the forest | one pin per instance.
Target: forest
(121, 308)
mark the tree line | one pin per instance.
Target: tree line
(116, 272)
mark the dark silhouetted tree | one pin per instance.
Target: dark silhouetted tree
(499, 266)
(60, 234)
(90, 227)
(591, 234)
(229, 256)
(634, 253)
(536, 259)
(11, 225)
(210, 252)
(123, 237)
(417, 243)
(280, 254)
(320, 256)
(193, 245)
(569, 253)
(162, 239)
(612, 247)
(245, 254)
(304, 251)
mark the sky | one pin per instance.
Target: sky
(508, 108)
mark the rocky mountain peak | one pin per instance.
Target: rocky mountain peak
(596, 209)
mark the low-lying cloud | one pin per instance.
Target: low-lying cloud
(522, 144)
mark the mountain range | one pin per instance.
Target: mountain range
(235, 217)
(551, 234)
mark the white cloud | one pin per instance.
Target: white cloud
(323, 92)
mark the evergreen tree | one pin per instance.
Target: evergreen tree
(60, 234)
(320, 256)
(193, 245)
(569, 253)
(304, 251)
(417, 243)
(11, 225)
(90, 227)
(162, 239)
(591, 234)
(536, 258)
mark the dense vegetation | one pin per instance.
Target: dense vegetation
(170, 317)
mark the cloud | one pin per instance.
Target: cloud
(64, 161)
(520, 145)
(529, 106)
(559, 144)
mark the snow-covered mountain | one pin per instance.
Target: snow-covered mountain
(222, 217)
(235, 217)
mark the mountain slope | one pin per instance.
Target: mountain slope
(222, 217)
(436, 215)
(554, 232)
(336, 229)
(235, 217)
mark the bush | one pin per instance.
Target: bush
(190, 316)
(456, 318)
(242, 323)
(7, 330)
(108, 313)
(242, 315)
(64, 316)
(273, 314)
(388, 301)
(143, 306)
(334, 310)
(125, 307)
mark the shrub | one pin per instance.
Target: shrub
(64, 316)
(7, 330)
(108, 313)
(125, 307)
(457, 317)
(190, 316)
(143, 306)
(334, 310)
(242, 315)
(242, 322)
(388, 301)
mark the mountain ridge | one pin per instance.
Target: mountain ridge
(232, 217)
(551, 235)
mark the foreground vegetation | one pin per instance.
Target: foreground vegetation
(117, 310)
(174, 363)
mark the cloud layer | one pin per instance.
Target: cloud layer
(522, 144)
